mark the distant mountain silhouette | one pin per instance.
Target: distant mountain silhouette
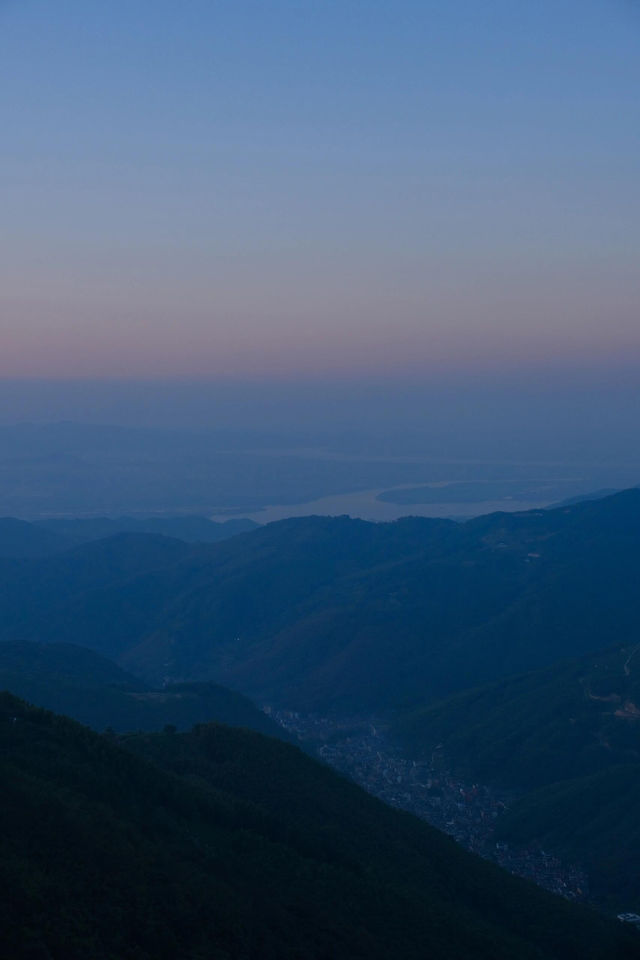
(21, 539)
(193, 529)
(46, 537)
(582, 497)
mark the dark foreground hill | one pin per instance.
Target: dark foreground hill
(332, 613)
(81, 684)
(224, 844)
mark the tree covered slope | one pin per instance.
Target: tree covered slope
(225, 844)
(568, 739)
(333, 613)
(593, 821)
(82, 684)
(575, 718)
(21, 539)
(193, 529)
(43, 538)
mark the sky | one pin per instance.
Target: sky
(330, 190)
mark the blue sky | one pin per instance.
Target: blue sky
(251, 190)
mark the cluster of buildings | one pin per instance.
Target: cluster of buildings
(361, 750)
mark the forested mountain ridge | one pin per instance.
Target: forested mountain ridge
(192, 529)
(89, 688)
(592, 820)
(42, 538)
(333, 613)
(573, 719)
(225, 844)
(21, 539)
(567, 739)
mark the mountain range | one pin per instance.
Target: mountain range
(509, 642)
(20, 538)
(334, 614)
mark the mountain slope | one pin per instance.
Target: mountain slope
(570, 720)
(44, 538)
(569, 738)
(248, 849)
(83, 685)
(332, 613)
(592, 821)
(21, 539)
(49, 592)
(193, 529)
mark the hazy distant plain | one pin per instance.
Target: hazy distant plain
(366, 505)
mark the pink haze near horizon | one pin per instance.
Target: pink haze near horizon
(339, 190)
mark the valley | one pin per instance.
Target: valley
(363, 750)
(480, 678)
(320, 481)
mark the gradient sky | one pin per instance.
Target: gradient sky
(250, 189)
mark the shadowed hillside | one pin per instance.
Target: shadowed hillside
(193, 529)
(222, 843)
(573, 719)
(591, 820)
(569, 738)
(81, 684)
(44, 538)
